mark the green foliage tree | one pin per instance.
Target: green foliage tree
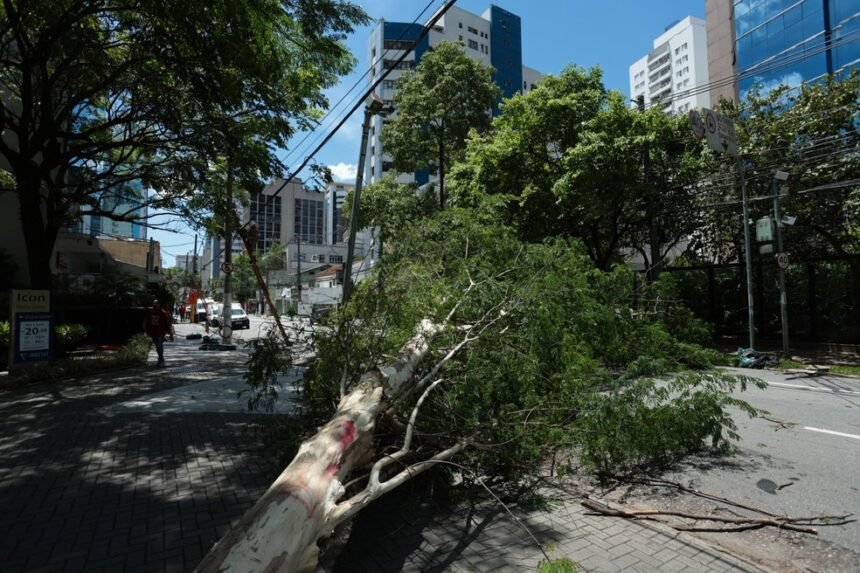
(438, 104)
(244, 282)
(534, 332)
(96, 95)
(810, 132)
(569, 159)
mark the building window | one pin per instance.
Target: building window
(461, 25)
(309, 221)
(461, 39)
(335, 259)
(389, 84)
(399, 44)
(473, 44)
(473, 30)
(392, 64)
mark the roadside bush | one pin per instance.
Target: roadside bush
(135, 351)
(70, 336)
(5, 339)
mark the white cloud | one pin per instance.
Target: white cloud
(344, 172)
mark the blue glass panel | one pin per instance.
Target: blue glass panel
(792, 16)
(742, 18)
(743, 52)
(758, 14)
(794, 34)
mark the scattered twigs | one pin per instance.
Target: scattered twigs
(780, 424)
(780, 522)
(742, 523)
(699, 493)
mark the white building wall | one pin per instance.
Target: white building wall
(675, 69)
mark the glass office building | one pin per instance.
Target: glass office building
(790, 42)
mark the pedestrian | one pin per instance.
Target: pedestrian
(157, 325)
(181, 312)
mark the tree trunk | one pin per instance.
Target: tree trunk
(36, 239)
(281, 531)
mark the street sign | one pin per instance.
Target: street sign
(696, 124)
(227, 267)
(720, 132)
(782, 260)
(32, 336)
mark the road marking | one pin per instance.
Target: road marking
(831, 432)
(813, 388)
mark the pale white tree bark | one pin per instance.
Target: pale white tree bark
(280, 532)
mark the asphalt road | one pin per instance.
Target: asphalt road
(803, 458)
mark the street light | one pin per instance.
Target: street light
(782, 260)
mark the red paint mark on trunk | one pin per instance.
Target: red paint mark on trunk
(347, 435)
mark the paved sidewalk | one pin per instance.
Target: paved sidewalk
(119, 473)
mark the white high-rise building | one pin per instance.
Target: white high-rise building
(674, 74)
(493, 38)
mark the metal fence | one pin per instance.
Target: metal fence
(823, 298)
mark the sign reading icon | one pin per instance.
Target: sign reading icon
(31, 326)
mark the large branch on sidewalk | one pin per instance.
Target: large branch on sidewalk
(280, 532)
(801, 524)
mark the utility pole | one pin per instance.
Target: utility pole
(650, 209)
(299, 266)
(748, 248)
(374, 107)
(783, 296)
(227, 308)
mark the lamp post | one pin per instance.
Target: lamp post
(781, 260)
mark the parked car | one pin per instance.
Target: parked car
(238, 319)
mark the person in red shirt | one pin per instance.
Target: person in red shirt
(157, 325)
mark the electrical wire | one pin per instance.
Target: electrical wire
(369, 70)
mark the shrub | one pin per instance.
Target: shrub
(70, 336)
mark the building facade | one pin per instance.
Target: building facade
(780, 42)
(189, 263)
(673, 75)
(793, 42)
(493, 38)
(127, 200)
(333, 222)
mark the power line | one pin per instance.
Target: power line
(369, 70)
(776, 63)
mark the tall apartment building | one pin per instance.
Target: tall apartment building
(493, 38)
(790, 42)
(333, 224)
(672, 73)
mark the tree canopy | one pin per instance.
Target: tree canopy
(97, 94)
(568, 160)
(438, 104)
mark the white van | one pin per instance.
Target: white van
(238, 319)
(204, 307)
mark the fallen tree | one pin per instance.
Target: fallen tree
(509, 362)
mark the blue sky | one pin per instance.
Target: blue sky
(611, 34)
